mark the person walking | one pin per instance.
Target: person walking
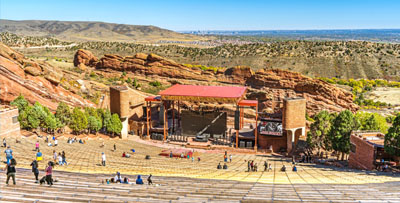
(230, 158)
(115, 147)
(35, 170)
(8, 153)
(64, 160)
(248, 166)
(54, 156)
(265, 165)
(149, 180)
(39, 156)
(11, 170)
(103, 159)
(55, 142)
(4, 143)
(60, 159)
(37, 146)
(49, 173)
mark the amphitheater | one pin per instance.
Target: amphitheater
(181, 180)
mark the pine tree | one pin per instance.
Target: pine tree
(78, 121)
(20, 102)
(318, 136)
(94, 124)
(63, 114)
(340, 132)
(392, 138)
(116, 125)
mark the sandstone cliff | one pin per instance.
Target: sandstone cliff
(35, 80)
(266, 85)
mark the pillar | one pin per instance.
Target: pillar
(290, 139)
(165, 120)
(124, 131)
(237, 138)
(148, 119)
(256, 131)
(173, 116)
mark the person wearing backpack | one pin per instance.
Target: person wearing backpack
(11, 170)
(35, 170)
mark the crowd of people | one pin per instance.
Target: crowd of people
(118, 179)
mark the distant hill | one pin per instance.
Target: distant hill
(373, 35)
(92, 31)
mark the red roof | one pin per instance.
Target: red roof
(204, 91)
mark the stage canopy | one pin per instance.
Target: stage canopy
(196, 93)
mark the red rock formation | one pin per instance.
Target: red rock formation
(40, 84)
(267, 85)
(85, 57)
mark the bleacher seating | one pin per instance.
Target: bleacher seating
(181, 180)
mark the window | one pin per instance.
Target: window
(353, 148)
(15, 119)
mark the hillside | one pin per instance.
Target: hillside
(92, 31)
(351, 59)
(150, 72)
(37, 81)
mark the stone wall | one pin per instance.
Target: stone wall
(363, 157)
(9, 124)
(277, 142)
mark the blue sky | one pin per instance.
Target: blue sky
(180, 15)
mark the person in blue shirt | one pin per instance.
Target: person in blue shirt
(294, 169)
(139, 180)
(39, 156)
(8, 152)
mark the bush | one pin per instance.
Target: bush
(155, 84)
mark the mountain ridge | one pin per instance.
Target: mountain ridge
(92, 31)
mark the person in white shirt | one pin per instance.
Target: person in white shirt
(103, 159)
(55, 142)
(60, 162)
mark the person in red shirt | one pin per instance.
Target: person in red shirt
(49, 173)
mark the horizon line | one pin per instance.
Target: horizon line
(215, 30)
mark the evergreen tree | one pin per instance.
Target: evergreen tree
(116, 125)
(340, 132)
(107, 120)
(392, 138)
(318, 135)
(94, 124)
(32, 118)
(78, 121)
(63, 114)
(20, 102)
(51, 123)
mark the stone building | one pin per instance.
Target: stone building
(9, 124)
(128, 104)
(282, 131)
(366, 149)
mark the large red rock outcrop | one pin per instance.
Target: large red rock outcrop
(266, 85)
(85, 57)
(275, 84)
(36, 81)
(153, 65)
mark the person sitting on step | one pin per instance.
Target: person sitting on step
(283, 169)
(139, 180)
(118, 178)
(294, 168)
(219, 166)
(225, 166)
